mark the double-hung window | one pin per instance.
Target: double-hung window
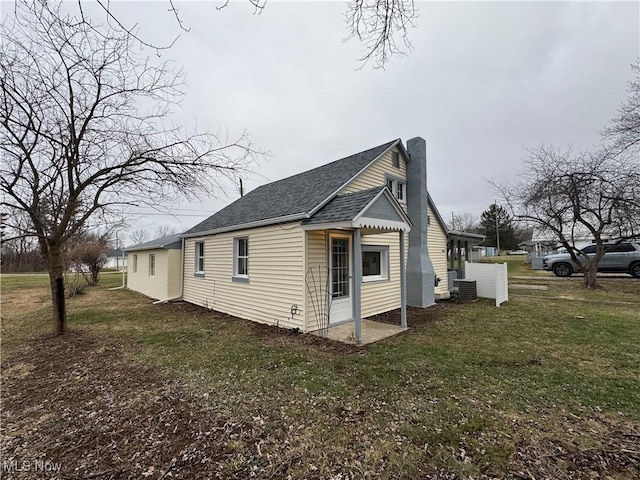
(152, 265)
(398, 188)
(199, 255)
(375, 263)
(241, 259)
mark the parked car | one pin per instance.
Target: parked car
(518, 252)
(618, 258)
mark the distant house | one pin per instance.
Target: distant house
(543, 243)
(116, 258)
(347, 240)
(154, 267)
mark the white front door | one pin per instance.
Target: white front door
(341, 278)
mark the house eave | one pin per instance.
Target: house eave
(150, 247)
(247, 226)
(328, 226)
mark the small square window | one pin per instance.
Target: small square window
(375, 263)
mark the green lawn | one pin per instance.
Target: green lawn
(477, 390)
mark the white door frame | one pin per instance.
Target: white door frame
(342, 306)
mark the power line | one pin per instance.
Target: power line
(171, 214)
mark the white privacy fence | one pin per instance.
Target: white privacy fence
(491, 280)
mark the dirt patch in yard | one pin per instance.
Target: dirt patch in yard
(80, 406)
(282, 337)
(419, 317)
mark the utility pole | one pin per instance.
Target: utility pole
(241, 189)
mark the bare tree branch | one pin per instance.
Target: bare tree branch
(624, 131)
(138, 236)
(85, 127)
(376, 23)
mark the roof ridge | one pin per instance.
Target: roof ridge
(387, 145)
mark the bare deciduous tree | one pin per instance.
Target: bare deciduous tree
(87, 253)
(165, 230)
(571, 195)
(139, 236)
(85, 126)
(624, 131)
(463, 222)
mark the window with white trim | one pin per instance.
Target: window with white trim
(135, 263)
(398, 188)
(199, 256)
(241, 257)
(375, 263)
(152, 265)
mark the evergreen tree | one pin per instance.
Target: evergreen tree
(496, 221)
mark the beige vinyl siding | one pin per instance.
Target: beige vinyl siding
(384, 295)
(174, 258)
(377, 297)
(166, 281)
(437, 240)
(316, 272)
(275, 270)
(376, 174)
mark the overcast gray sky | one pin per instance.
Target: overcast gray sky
(484, 80)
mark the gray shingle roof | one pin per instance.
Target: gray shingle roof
(168, 242)
(296, 195)
(344, 208)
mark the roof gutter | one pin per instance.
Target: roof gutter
(246, 226)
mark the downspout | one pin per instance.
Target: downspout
(167, 300)
(182, 267)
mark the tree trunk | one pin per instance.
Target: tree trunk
(590, 276)
(95, 275)
(56, 280)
